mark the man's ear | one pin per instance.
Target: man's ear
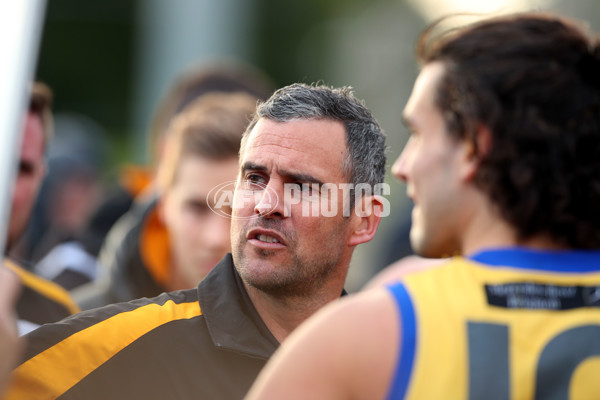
(367, 215)
(476, 150)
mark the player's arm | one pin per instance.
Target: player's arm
(346, 350)
(397, 271)
(10, 344)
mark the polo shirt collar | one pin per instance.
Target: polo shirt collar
(232, 320)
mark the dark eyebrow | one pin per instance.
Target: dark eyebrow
(202, 203)
(300, 177)
(250, 166)
(296, 176)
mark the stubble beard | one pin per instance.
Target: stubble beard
(300, 277)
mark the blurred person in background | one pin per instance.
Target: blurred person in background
(66, 243)
(502, 165)
(40, 301)
(174, 240)
(136, 182)
(57, 240)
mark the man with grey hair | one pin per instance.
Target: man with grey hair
(287, 262)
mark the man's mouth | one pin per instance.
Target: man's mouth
(267, 238)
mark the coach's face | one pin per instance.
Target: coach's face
(278, 248)
(430, 166)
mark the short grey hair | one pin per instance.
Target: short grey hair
(365, 140)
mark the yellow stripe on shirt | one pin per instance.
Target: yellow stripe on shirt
(54, 371)
(44, 287)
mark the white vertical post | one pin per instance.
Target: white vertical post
(20, 30)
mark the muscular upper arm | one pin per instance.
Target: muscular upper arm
(347, 350)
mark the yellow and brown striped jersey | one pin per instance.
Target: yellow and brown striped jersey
(207, 343)
(40, 300)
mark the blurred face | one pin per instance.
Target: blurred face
(30, 174)
(429, 164)
(278, 249)
(198, 237)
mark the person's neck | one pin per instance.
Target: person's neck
(283, 314)
(176, 281)
(488, 233)
(487, 230)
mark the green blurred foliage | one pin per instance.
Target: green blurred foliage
(282, 25)
(86, 56)
(87, 53)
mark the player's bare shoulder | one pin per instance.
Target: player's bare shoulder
(397, 271)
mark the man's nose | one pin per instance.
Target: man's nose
(400, 167)
(270, 200)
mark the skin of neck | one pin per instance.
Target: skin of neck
(176, 279)
(486, 229)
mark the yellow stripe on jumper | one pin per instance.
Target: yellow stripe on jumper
(46, 288)
(54, 371)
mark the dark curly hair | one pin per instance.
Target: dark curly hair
(534, 81)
